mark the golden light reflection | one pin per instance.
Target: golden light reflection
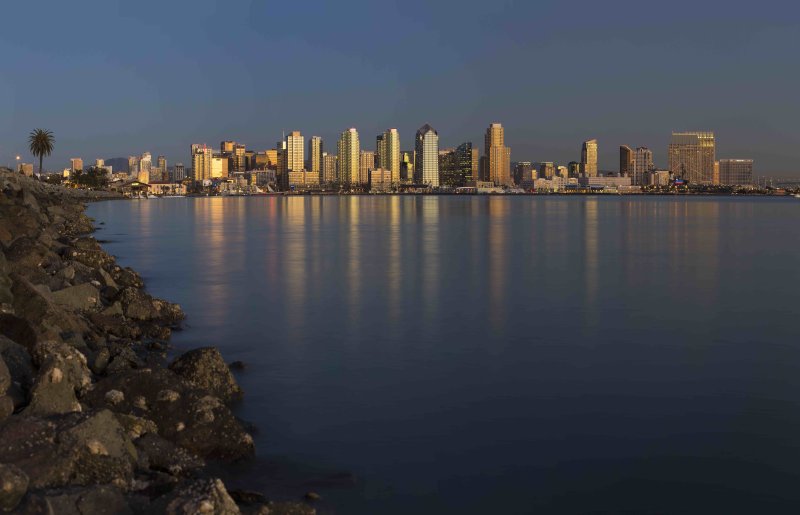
(294, 259)
(430, 256)
(498, 261)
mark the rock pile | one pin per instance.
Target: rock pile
(91, 418)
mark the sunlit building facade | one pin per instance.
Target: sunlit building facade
(642, 164)
(349, 157)
(387, 155)
(691, 156)
(329, 165)
(295, 152)
(626, 157)
(589, 158)
(467, 163)
(315, 154)
(736, 172)
(426, 168)
(201, 162)
(498, 156)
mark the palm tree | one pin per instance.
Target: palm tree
(41, 144)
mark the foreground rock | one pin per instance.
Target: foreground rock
(91, 418)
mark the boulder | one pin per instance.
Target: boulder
(162, 455)
(206, 369)
(6, 406)
(82, 297)
(13, 485)
(18, 360)
(207, 496)
(63, 375)
(100, 500)
(185, 415)
(48, 318)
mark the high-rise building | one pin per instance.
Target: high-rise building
(589, 158)
(349, 157)
(295, 152)
(133, 166)
(366, 163)
(329, 162)
(692, 155)
(201, 162)
(574, 168)
(522, 172)
(162, 163)
(547, 170)
(315, 154)
(625, 160)
(407, 166)
(236, 161)
(387, 154)
(467, 162)
(145, 167)
(219, 166)
(76, 163)
(736, 172)
(226, 147)
(498, 156)
(642, 164)
(178, 172)
(448, 169)
(426, 168)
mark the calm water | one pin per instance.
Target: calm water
(496, 354)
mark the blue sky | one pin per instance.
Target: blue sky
(116, 78)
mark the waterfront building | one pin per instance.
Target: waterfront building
(201, 162)
(178, 172)
(467, 163)
(380, 180)
(295, 152)
(272, 158)
(547, 170)
(657, 178)
(366, 162)
(349, 157)
(315, 154)
(219, 166)
(426, 168)
(626, 158)
(574, 168)
(522, 172)
(162, 164)
(329, 165)
(715, 175)
(145, 168)
(407, 158)
(589, 158)
(498, 156)
(736, 172)
(691, 156)
(237, 161)
(448, 169)
(226, 147)
(387, 153)
(642, 163)
(596, 182)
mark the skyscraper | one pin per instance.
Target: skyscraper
(366, 162)
(498, 156)
(426, 169)
(448, 168)
(315, 154)
(388, 153)
(295, 152)
(691, 156)
(349, 157)
(179, 172)
(76, 163)
(642, 164)
(589, 158)
(226, 147)
(161, 169)
(237, 161)
(133, 166)
(201, 162)
(407, 166)
(329, 164)
(625, 160)
(736, 172)
(467, 162)
(145, 167)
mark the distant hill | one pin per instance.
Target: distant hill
(120, 164)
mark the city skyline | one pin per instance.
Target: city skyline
(160, 92)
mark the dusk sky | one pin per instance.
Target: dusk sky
(112, 79)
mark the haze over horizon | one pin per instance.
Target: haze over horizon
(112, 79)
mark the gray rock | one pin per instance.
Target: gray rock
(107, 279)
(114, 397)
(18, 360)
(62, 376)
(207, 496)
(184, 414)
(82, 296)
(206, 369)
(163, 455)
(113, 309)
(68, 273)
(95, 500)
(5, 376)
(13, 485)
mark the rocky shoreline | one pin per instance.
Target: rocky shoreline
(93, 419)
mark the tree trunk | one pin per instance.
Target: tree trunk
(41, 158)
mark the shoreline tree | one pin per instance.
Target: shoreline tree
(41, 144)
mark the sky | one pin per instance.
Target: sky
(111, 79)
